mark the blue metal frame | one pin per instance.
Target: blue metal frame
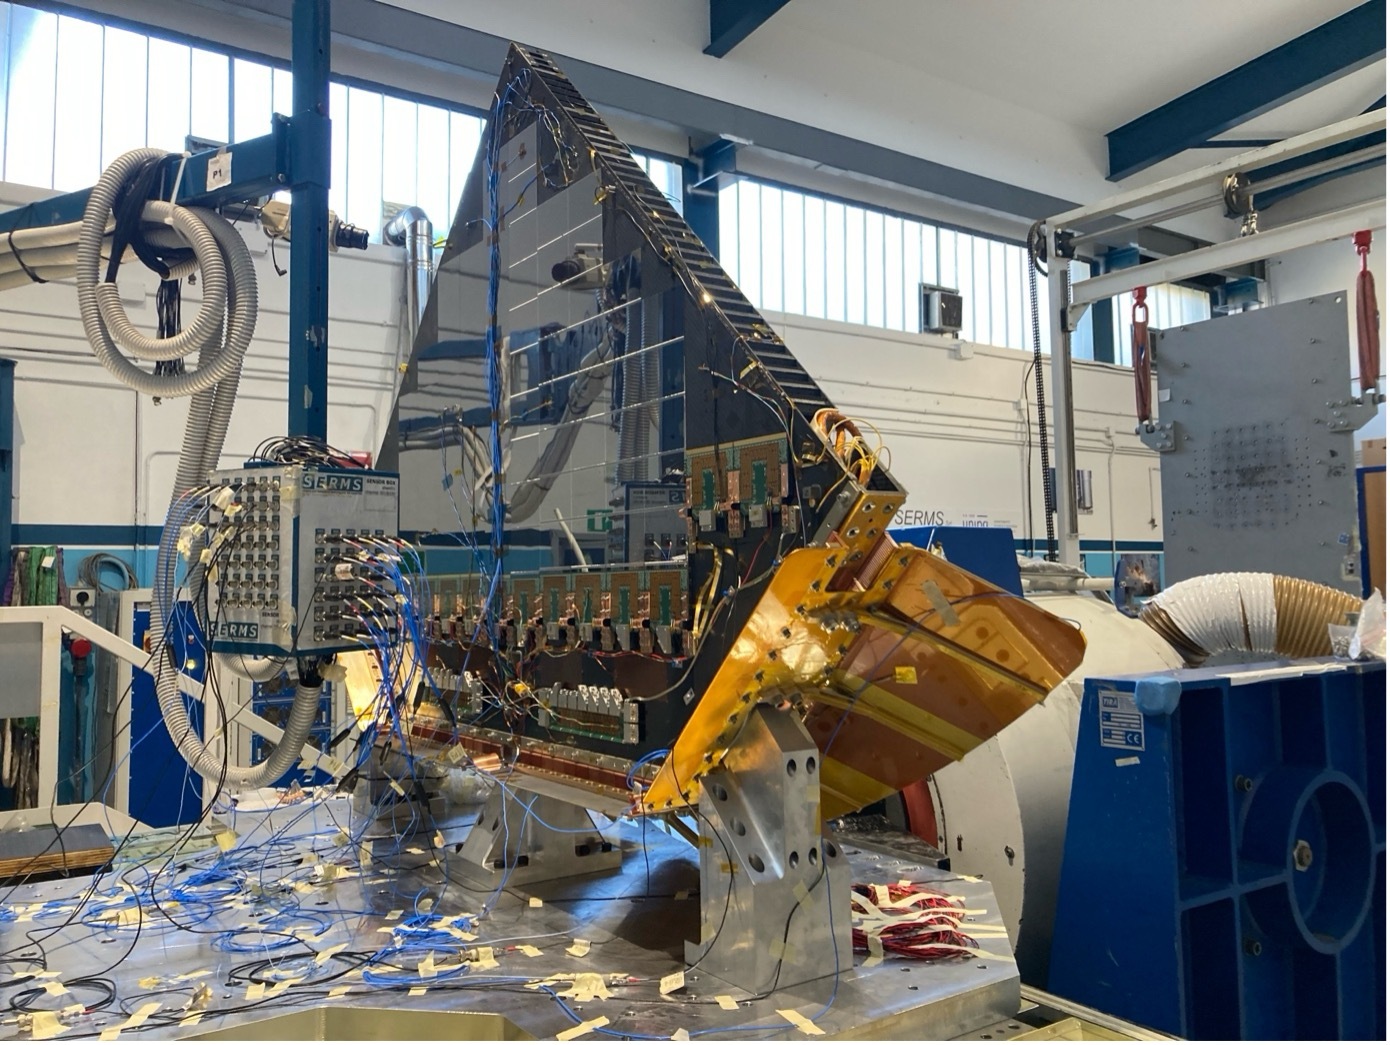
(312, 143)
(1361, 522)
(295, 155)
(262, 166)
(1335, 48)
(6, 459)
(733, 21)
(1223, 875)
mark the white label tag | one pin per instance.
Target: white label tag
(219, 170)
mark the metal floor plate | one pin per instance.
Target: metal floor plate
(637, 921)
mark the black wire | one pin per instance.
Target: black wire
(1049, 486)
(1028, 452)
(23, 1000)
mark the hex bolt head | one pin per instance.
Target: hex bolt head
(1302, 855)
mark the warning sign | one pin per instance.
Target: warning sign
(1121, 723)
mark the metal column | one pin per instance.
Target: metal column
(6, 458)
(1063, 410)
(310, 145)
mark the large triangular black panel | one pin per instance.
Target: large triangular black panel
(649, 421)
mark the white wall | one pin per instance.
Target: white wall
(92, 453)
(953, 417)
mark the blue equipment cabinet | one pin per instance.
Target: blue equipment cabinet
(163, 790)
(272, 701)
(986, 551)
(1224, 868)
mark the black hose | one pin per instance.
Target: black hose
(1044, 457)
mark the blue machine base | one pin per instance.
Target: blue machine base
(1224, 869)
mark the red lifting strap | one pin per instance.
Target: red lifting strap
(1367, 317)
(1141, 355)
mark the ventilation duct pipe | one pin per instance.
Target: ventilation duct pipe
(1248, 613)
(411, 229)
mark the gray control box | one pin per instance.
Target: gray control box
(286, 579)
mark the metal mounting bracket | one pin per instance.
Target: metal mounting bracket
(1162, 437)
(774, 888)
(520, 837)
(1347, 415)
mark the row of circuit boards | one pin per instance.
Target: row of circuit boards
(572, 638)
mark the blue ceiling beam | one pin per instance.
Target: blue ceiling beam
(732, 21)
(1329, 52)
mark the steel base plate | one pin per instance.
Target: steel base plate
(636, 921)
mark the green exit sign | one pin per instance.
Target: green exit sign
(598, 520)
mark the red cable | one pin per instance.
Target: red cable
(1367, 317)
(1142, 356)
(919, 934)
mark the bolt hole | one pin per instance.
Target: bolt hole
(720, 792)
(495, 823)
(831, 851)
(912, 986)
(811, 765)
(756, 862)
(813, 856)
(794, 859)
(739, 828)
(791, 767)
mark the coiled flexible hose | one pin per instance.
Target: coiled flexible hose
(220, 336)
(1248, 613)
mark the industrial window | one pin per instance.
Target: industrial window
(75, 94)
(1169, 306)
(792, 251)
(795, 252)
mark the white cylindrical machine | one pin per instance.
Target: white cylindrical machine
(1001, 812)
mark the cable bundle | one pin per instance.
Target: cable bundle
(845, 439)
(908, 921)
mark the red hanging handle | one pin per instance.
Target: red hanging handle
(1141, 355)
(1367, 317)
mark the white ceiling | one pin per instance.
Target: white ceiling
(1023, 91)
(1095, 64)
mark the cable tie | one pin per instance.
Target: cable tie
(174, 191)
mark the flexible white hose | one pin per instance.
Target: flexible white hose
(219, 335)
(1224, 611)
(257, 669)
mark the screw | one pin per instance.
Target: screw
(1245, 784)
(1302, 855)
(1253, 948)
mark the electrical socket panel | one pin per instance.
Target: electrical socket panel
(282, 546)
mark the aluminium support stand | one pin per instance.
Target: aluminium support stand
(774, 890)
(518, 838)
